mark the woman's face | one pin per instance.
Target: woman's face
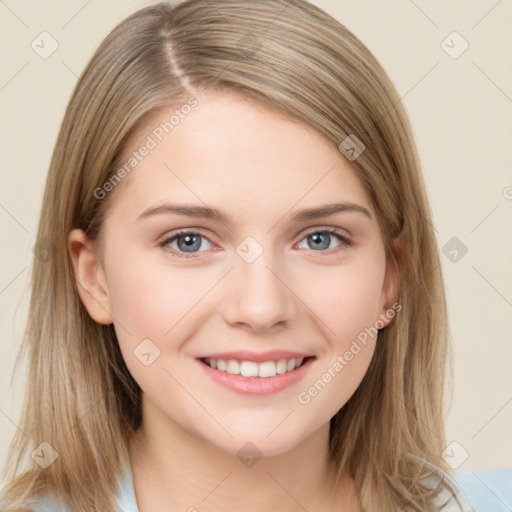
(243, 240)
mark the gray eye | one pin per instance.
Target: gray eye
(320, 240)
(189, 243)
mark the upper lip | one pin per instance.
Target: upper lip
(257, 357)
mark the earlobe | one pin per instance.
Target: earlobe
(90, 277)
(391, 284)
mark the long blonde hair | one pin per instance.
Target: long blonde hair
(80, 397)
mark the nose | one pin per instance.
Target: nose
(257, 295)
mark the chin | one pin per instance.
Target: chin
(258, 443)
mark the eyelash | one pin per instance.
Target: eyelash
(345, 242)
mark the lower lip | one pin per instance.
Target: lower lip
(257, 385)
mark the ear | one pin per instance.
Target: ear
(90, 277)
(391, 283)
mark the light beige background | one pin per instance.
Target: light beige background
(461, 111)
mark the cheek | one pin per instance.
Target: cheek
(154, 307)
(346, 302)
(163, 304)
(345, 299)
(150, 298)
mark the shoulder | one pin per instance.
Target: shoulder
(451, 497)
(473, 491)
(487, 489)
(45, 504)
(125, 498)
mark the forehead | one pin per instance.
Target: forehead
(238, 154)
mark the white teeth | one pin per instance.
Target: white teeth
(233, 367)
(281, 366)
(253, 369)
(249, 369)
(267, 369)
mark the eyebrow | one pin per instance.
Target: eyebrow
(206, 212)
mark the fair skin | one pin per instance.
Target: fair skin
(309, 294)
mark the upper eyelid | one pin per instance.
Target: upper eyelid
(182, 232)
(331, 229)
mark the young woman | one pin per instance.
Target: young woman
(243, 307)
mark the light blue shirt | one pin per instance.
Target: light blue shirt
(487, 490)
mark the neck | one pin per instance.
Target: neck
(176, 471)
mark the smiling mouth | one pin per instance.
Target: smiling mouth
(264, 369)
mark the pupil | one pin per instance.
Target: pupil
(189, 242)
(321, 240)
